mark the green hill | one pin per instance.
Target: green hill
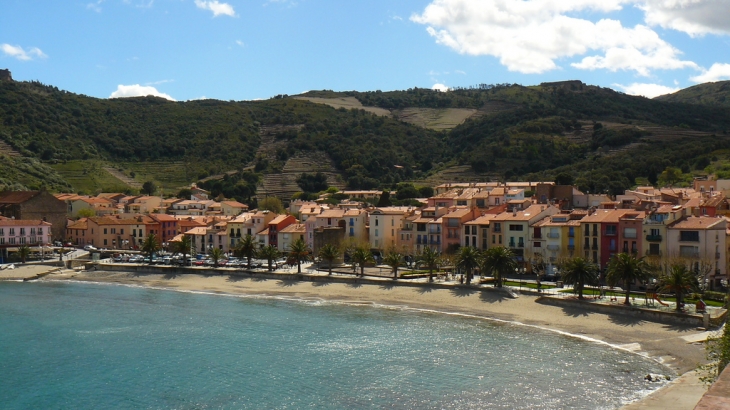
(711, 94)
(604, 139)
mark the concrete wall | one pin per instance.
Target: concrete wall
(645, 314)
(718, 397)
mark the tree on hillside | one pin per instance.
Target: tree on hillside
(272, 204)
(670, 176)
(149, 188)
(184, 193)
(384, 199)
(628, 269)
(498, 262)
(406, 191)
(150, 246)
(564, 178)
(329, 252)
(425, 192)
(299, 250)
(579, 272)
(312, 182)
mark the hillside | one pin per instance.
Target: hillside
(361, 140)
(712, 94)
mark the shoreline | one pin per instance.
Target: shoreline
(674, 346)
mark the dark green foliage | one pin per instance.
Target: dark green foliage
(425, 192)
(184, 193)
(312, 182)
(564, 178)
(406, 191)
(240, 186)
(384, 199)
(612, 138)
(149, 188)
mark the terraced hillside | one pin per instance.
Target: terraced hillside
(89, 177)
(284, 185)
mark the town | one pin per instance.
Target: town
(541, 223)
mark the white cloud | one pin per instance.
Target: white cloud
(440, 87)
(240, 43)
(96, 6)
(462, 72)
(646, 90)
(137, 90)
(694, 17)
(218, 9)
(530, 36)
(160, 82)
(21, 54)
(717, 72)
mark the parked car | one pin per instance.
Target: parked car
(89, 248)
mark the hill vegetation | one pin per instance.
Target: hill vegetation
(712, 94)
(605, 140)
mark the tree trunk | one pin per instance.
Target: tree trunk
(628, 292)
(679, 301)
(395, 273)
(299, 266)
(579, 288)
(430, 275)
(468, 277)
(329, 265)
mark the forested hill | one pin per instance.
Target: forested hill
(710, 94)
(602, 138)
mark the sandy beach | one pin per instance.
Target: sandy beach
(678, 347)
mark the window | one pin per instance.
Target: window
(376, 233)
(689, 251)
(11, 241)
(2, 232)
(12, 231)
(22, 240)
(537, 245)
(32, 231)
(474, 230)
(466, 230)
(392, 222)
(611, 230)
(595, 229)
(22, 231)
(376, 221)
(497, 227)
(2, 241)
(630, 233)
(516, 227)
(104, 242)
(654, 232)
(104, 231)
(689, 236)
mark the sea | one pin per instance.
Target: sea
(67, 345)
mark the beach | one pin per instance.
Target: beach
(678, 347)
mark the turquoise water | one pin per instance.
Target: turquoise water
(86, 346)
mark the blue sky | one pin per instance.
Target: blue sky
(252, 49)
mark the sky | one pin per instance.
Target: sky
(256, 49)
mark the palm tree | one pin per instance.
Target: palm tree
(580, 272)
(299, 250)
(678, 280)
(430, 259)
(246, 248)
(23, 253)
(150, 246)
(393, 259)
(498, 262)
(184, 246)
(216, 254)
(361, 255)
(467, 259)
(626, 268)
(270, 253)
(329, 253)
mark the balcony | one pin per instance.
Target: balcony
(571, 234)
(594, 247)
(654, 253)
(654, 238)
(553, 235)
(571, 247)
(553, 247)
(521, 245)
